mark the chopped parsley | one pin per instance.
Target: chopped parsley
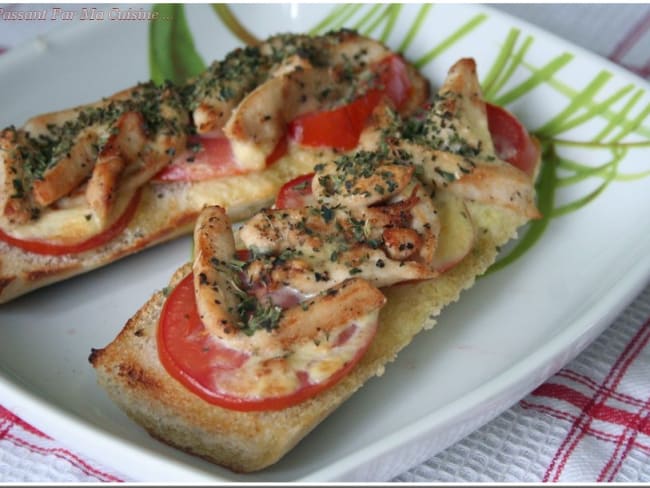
(255, 315)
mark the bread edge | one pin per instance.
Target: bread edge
(130, 372)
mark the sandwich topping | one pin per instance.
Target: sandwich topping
(288, 305)
(71, 177)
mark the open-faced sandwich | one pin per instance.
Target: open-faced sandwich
(83, 187)
(272, 327)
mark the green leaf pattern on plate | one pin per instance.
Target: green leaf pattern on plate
(172, 55)
(511, 76)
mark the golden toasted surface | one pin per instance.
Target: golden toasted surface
(483, 212)
(98, 155)
(165, 211)
(129, 369)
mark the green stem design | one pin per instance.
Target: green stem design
(233, 24)
(632, 125)
(391, 18)
(591, 110)
(368, 17)
(337, 17)
(377, 22)
(415, 28)
(582, 172)
(376, 16)
(514, 61)
(598, 144)
(569, 92)
(465, 29)
(620, 118)
(632, 176)
(581, 202)
(561, 123)
(499, 64)
(537, 78)
(581, 108)
(546, 188)
(172, 55)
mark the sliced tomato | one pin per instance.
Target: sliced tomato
(295, 193)
(52, 249)
(395, 80)
(207, 156)
(185, 349)
(197, 361)
(511, 139)
(279, 150)
(340, 128)
(210, 156)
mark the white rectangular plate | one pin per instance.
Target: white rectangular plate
(505, 336)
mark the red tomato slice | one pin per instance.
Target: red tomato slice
(279, 150)
(51, 249)
(208, 156)
(212, 157)
(197, 361)
(295, 193)
(511, 140)
(340, 128)
(395, 79)
(185, 350)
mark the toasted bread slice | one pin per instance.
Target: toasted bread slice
(130, 371)
(165, 211)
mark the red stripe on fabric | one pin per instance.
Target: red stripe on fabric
(13, 420)
(66, 455)
(598, 411)
(630, 39)
(578, 430)
(6, 414)
(631, 433)
(12, 417)
(562, 392)
(643, 341)
(5, 427)
(589, 383)
(562, 415)
(631, 351)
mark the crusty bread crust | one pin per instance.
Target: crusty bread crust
(130, 371)
(165, 211)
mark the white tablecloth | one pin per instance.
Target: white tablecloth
(590, 422)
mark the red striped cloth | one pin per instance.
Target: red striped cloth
(29, 455)
(599, 410)
(589, 422)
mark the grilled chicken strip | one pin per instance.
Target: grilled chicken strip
(219, 297)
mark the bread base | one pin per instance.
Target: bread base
(129, 369)
(165, 211)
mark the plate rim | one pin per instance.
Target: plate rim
(592, 323)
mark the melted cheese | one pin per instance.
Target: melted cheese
(313, 362)
(236, 193)
(250, 157)
(70, 224)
